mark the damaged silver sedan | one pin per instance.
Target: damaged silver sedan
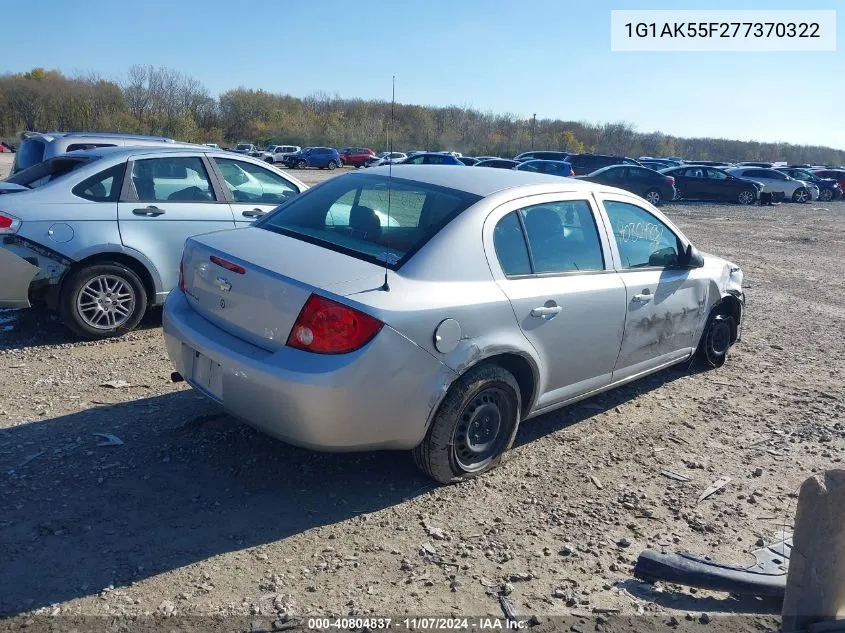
(435, 308)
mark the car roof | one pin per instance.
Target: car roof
(481, 182)
(113, 152)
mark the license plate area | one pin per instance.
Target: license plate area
(206, 374)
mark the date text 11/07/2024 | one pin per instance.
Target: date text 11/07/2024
(419, 624)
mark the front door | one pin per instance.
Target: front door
(665, 303)
(548, 256)
(167, 200)
(254, 190)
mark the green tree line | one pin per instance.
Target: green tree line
(166, 102)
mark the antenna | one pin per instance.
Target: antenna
(386, 287)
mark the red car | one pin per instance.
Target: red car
(356, 156)
(836, 174)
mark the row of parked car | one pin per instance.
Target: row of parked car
(293, 307)
(656, 179)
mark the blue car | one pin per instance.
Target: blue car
(431, 158)
(551, 167)
(320, 157)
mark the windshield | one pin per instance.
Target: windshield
(30, 152)
(43, 173)
(351, 215)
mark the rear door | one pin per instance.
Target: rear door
(548, 256)
(720, 186)
(695, 183)
(252, 190)
(165, 200)
(665, 303)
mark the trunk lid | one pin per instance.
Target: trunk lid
(274, 275)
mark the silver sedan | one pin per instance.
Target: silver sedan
(437, 309)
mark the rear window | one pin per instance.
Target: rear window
(83, 146)
(30, 152)
(350, 215)
(45, 172)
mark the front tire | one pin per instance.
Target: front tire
(746, 197)
(801, 195)
(716, 340)
(652, 196)
(473, 427)
(301, 164)
(103, 300)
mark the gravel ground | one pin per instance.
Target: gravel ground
(6, 160)
(194, 513)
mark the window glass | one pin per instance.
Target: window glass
(42, 173)
(433, 160)
(615, 173)
(510, 246)
(29, 153)
(82, 146)
(563, 237)
(176, 178)
(251, 183)
(715, 174)
(416, 160)
(350, 214)
(641, 238)
(102, 187)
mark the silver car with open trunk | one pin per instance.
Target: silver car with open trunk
(435, 308)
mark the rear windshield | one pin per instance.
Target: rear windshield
(369, 217)
(46, 172)
(30, 152)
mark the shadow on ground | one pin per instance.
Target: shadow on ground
(35, 327)
(187, 483)
(703, 604)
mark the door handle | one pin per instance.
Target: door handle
(253, 213)
(150, 211)
(546, 311)
(645, 297)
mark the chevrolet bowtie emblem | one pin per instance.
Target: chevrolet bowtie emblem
(222, 284)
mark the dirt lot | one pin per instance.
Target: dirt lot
(6, 160)
(196, 514)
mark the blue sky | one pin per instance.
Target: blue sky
(551, 57)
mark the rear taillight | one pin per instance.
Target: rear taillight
(8, 224)
(670, 180)
(328, 327)
(182, 274)
(571, 173)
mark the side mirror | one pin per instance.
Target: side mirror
(692, 258)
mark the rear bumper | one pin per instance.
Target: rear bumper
(380, 396)
(29, 271)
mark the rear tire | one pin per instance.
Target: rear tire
(716, 340)
(801, 195)
(332, 165)
(269, 159)
(746, 196)
(473, 427)
(102, 301)
(826, 195)
(301, 164)
(653, 196)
